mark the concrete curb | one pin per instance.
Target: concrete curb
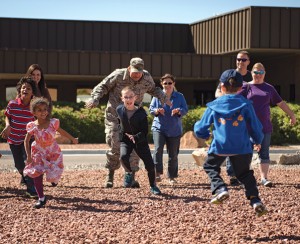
(182, 151)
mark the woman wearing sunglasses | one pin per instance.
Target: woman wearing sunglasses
(167, 128)
(263, 95)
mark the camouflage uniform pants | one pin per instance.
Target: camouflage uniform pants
(113, 154)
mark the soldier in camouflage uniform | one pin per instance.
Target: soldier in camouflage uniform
(141, 82)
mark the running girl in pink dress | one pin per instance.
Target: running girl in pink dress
(45, 156)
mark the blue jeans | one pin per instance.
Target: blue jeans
(173, 144)
(20, 156)
(263, 154)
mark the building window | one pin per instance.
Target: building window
(11, 93)
(277, 88)
(203, 97)
(83, 95)
(53, 93)
(292, 93)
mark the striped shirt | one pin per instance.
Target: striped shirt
(19, 116)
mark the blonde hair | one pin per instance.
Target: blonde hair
(126, 89)
(259, 65)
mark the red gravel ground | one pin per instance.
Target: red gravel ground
(80, 210)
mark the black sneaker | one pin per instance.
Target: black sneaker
(40, 204)
(53, 184)
(31, 194)
(234, 181)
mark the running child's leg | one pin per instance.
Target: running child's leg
(212, 167)
(38, 184)
(143, 151)
(241, 167)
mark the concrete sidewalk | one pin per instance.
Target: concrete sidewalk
(68, 149)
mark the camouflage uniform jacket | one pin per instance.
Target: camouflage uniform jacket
(116, 81)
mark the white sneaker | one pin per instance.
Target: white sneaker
(266, 182)
(172, 181)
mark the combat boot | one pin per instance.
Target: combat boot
(134, 183)
(110, 179)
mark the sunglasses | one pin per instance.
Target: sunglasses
(242, 59)
(259, 72)
(167, 83)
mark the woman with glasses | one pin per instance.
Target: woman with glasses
(167, 128)
(263, 95)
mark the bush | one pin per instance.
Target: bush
(88, 125)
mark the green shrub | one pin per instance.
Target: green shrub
(88, 125)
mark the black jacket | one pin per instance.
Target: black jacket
(137, 125)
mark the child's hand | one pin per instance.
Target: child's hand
(257, 147)
(75, 140)
(5, 133)
(175, 111)
(130, 137)
(210, 135)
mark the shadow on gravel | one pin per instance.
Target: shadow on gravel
(186, 186)
(13, 191)
(173, 197)
(274, 238)
(83, 204)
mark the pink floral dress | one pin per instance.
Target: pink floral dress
(45, 152)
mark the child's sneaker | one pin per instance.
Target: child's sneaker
(154, 190)
(40, 203)
(221, 195)
(31, 193)
(266, 182)
(259, 208)
(128, 179)
(234, 181)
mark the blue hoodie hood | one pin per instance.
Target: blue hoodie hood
(228, 105)
(230, 116)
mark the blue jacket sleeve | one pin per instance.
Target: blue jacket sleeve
(153, 106)
(183, 106)
(201, 127)
(255, 125)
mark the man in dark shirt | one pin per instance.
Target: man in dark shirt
(242, 62)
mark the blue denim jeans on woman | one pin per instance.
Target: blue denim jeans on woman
(263, 154)
(173, 144)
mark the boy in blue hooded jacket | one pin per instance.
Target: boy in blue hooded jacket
(230, 115)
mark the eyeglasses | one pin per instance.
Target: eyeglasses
(167, 83)
(259, 72)
(241, 59)
(128, 98)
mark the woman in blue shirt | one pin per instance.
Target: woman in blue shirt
(167, 128)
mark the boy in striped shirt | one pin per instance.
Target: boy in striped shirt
(18, 115)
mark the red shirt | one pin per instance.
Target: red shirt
(19, 116)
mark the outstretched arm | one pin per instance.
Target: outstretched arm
(288, 111)
(66, 134)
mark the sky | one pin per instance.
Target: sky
(158, 11)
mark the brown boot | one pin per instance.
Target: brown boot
(110, 179)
